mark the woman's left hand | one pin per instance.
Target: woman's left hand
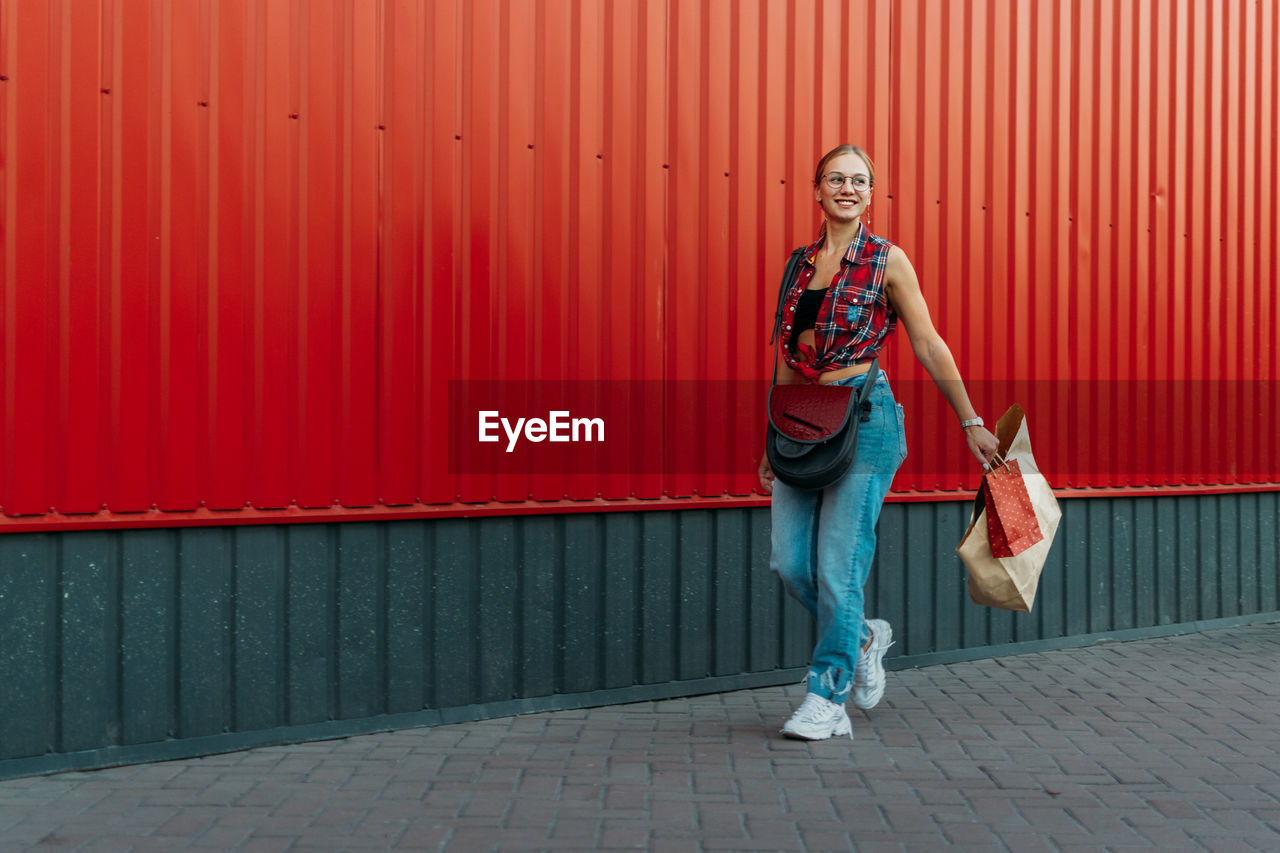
(983, 444)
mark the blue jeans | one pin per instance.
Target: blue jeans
(824, 542)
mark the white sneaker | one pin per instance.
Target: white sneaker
(868, 681)
(818, 719)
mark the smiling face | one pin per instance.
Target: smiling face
(844, 204)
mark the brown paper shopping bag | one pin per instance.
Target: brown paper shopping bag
(1009, 583)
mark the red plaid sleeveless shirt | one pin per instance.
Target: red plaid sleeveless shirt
(855, 318)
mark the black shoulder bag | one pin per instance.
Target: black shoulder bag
(813, 430)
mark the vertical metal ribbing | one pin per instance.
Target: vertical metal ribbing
(274, 338)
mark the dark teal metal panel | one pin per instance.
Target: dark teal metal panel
(539, 605)
(1209, 578)
(730, 588)
(361, 625)
(310, 656)
(951, 520)
(1101, 518)
(28, 644)
(919, 543)
(408, 628)
(1073, 538)
(1145, 557)
(1268, 561)
(499, 577)
(1168, 548)
(620, 643)
(125, 644)
(206, 569)
(1248, 552)
(658, 569)
(694, 561)
(88, 641)
(455, 584)
(581, 624)
(148, 636)
(1188, 576)
(763, 616)
(260, 629)
(1229, 556)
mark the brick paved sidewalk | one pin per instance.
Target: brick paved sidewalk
(1169, 743)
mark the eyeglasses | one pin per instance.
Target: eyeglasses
(836, 180)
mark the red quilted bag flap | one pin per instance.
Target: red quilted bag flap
(809, 413)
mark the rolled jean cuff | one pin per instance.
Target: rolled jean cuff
(832, 684)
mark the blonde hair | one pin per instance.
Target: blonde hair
(836, 152)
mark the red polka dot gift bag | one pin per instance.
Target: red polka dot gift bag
(1012, 525)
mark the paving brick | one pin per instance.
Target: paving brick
(941, 795)
(116, 845)
(1024, 841)
(734, 844)
(622, 838)
(827, 840)
(719, 823)
(576, 829)
(223, 837)
(269, 844)
(674, 845)
(422, 835)
(713, 783)
(486, 807)
(1101, 822)
(762, 792)
(869, 845)
(185, 825)
(676, 813)
(1178, 808)
(1233, 845)
(70, 840)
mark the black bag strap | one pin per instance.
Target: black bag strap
(864, 405)
(788, 280)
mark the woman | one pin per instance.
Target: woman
(849, 294)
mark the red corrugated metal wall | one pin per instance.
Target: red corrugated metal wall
(246, 244)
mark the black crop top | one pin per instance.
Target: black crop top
(806, 313)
